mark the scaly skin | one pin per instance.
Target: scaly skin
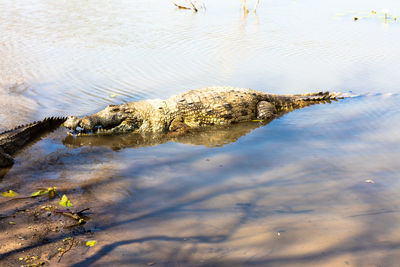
(194, 109)
(14, 140)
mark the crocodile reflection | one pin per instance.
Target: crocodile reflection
(209, 137)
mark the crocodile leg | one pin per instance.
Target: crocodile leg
(178, 126)
(265, 110)
(5, 159)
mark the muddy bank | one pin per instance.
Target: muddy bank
(38, 231)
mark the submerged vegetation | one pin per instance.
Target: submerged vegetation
(192, 5)
(246, 10)
(384, 16)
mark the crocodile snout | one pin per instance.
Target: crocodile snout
(83, 125)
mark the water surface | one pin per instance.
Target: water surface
(292, 192)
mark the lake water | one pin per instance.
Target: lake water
(290, 193)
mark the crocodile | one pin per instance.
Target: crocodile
(179, 114)
(192, 110)
(13, 141)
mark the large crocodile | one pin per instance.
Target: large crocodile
(191, 110)
(12, 141)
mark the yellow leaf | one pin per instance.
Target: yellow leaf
(91, 243)
(11, 223)
(65, 202)
(39, 193)
(9, 193)
(52, 191)
(113, 95)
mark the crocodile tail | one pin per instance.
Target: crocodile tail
(15, 139)
(50, 122)
(286, 103)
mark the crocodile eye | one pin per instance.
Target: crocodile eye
(113, 108)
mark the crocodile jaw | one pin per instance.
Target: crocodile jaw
(88, 126)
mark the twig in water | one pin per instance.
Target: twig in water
(65, 251)
(191, 3)
(81, 211)
(193, 6)
(246, 10)
(179, 6)
(255, 7)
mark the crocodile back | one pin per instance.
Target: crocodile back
(215, 105)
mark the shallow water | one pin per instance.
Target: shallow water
(292, 192)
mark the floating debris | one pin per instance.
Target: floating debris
(384, 15)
